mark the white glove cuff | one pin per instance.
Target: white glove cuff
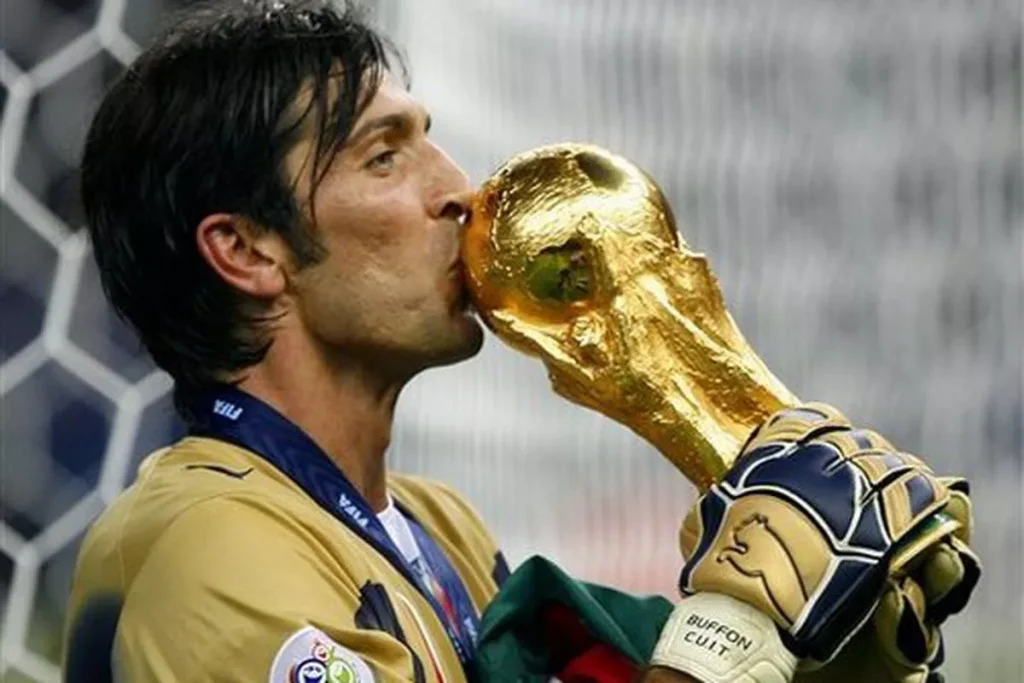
(719, 639)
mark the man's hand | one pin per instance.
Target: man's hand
(903, 643)
(790, 554)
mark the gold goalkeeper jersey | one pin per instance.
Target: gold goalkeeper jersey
(224, 562)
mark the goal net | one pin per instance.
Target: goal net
(853, 170)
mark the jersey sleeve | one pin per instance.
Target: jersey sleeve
(233, 591)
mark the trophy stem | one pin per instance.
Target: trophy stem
(706, 388)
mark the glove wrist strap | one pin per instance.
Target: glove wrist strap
(719, 639)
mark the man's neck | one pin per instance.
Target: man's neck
(345, 409)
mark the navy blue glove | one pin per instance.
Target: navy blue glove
(806, 528)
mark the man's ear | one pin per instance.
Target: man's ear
(252, 260)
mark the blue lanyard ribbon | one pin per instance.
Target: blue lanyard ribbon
(231, 415)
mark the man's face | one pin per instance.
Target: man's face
(390, 290)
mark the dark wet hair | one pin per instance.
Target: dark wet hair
(199, 124)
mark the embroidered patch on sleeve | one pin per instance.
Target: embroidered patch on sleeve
(310, 656)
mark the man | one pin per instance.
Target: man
(268, 212)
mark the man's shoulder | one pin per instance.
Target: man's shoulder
(177, 478)
(195, 478)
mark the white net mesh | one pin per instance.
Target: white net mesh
(853, 170)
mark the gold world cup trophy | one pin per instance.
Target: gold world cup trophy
(572, 255)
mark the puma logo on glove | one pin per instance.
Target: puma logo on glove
(759, 553)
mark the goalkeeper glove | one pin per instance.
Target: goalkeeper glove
(791, 552)
(904, 644)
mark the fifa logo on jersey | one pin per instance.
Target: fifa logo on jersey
(226, 409)
(350, 509)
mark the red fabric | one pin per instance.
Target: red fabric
(599, 664)
(576, 655)
(564, 631)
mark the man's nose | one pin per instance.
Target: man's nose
(455, 192)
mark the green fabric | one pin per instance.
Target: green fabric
(509, 647)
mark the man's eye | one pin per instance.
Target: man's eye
(382, 161)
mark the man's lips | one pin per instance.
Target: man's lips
(457, 276)
(457, 272)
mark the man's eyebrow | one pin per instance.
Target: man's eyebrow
(402, 121)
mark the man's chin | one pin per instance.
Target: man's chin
(470, 338)
(459, 338)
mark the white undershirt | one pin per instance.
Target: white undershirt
(398, 529)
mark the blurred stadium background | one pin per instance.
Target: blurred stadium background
(853, 169)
